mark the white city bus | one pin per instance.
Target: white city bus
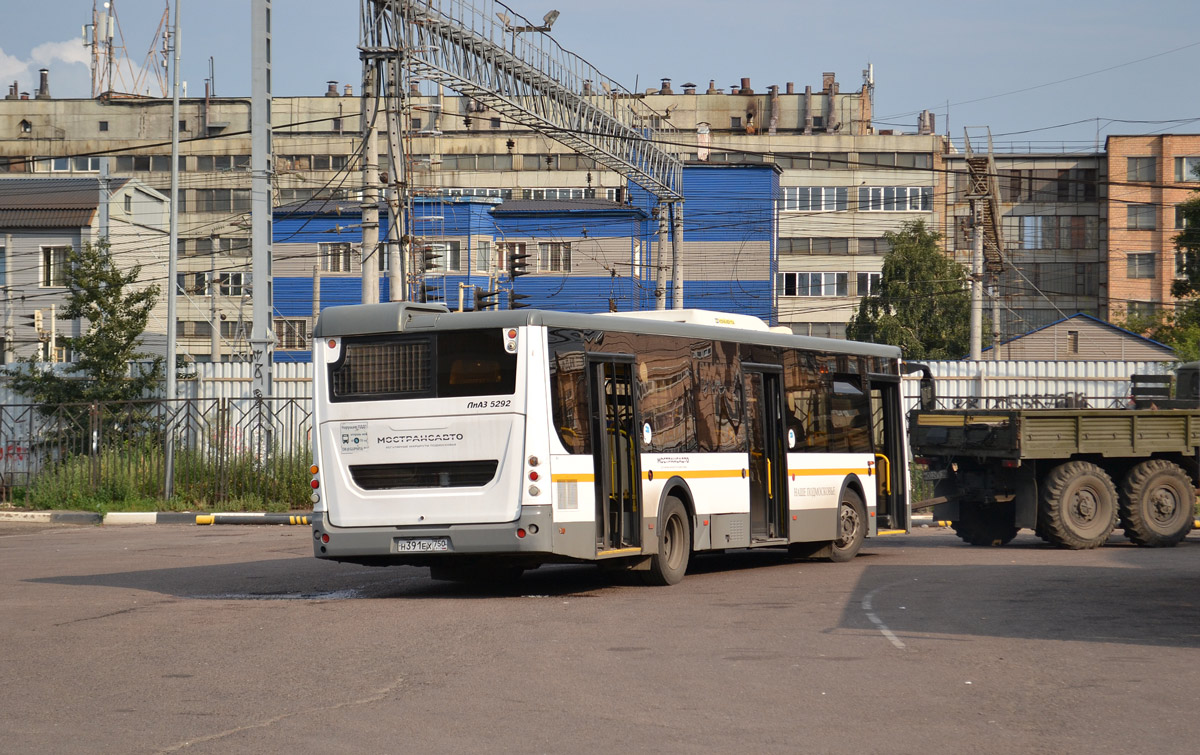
(487, 443)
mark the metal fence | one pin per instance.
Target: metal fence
(229, 451)
(1033, 384)
(212, 454)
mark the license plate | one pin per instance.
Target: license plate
(422, 544)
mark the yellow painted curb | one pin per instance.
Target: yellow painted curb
(204, 519)
(892, 532)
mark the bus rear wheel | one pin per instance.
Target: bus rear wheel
(668, 566)
(852, 530)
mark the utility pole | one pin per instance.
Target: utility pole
(262, 340)
(172, 260)
(660, 282)
(370, 199)
(676, 255)
(976, 278)
(213, 317)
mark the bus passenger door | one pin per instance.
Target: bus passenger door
(891, 458)
(768, 457)
(618, 473)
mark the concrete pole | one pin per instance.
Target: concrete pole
(214, 352)
(172, 257)
(370, 201)
(677, 255)
(396, 198)
(262, 339)
(660, 282)
(977, 279)
(995, 317)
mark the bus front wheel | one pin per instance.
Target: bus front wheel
(668, 566)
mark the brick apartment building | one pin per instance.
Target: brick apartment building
(1149, 176)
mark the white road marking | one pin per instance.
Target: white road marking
(868, 609)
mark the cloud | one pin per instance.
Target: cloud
(68, 63)
(71, 51)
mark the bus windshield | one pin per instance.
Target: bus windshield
(449, 363)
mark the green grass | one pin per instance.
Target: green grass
(132, 478)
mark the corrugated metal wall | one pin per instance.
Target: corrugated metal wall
(1102, 384)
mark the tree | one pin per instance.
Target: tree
(922, 304)
(116, 310)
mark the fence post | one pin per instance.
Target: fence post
(94, 429)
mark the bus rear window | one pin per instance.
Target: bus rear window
(447, 364)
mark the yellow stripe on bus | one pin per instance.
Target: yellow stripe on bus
(702, 474)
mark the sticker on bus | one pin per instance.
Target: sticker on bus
(354, 436)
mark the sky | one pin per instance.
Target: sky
(1049, 74)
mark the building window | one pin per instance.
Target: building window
(85, 164)
(868, 283)
(814, 246)
(291, 334)
(816, 198)
(193, 329)
(54, 266)
(1139, 265)
(1181, 221)
(1187, 169)
(211, 163)
(222, 200)
(482, 262)
(495, 123)
(128, 204)
(1141, 308)
(877, 246)
(104, 125)
(735, 121)
(1140, 217)
(194, 284)
(1180, 263)
(337, 258)
(1139, 168)
(26, 127)
(1072, 341)
(234, 284)
(554, 257)
(812, 284)
(447, 256)
(505, 249)
(895, 198)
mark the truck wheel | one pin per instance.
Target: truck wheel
(668, 566)
(1157, 504)
(1078, 506)
(985, 525)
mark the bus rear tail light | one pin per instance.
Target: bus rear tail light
(521, 532)
(325, 537)
(533, 476)
(315, 484)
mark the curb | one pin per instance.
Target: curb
(60, 517)
(122, 518)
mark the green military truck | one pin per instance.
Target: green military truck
(1070, 474)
